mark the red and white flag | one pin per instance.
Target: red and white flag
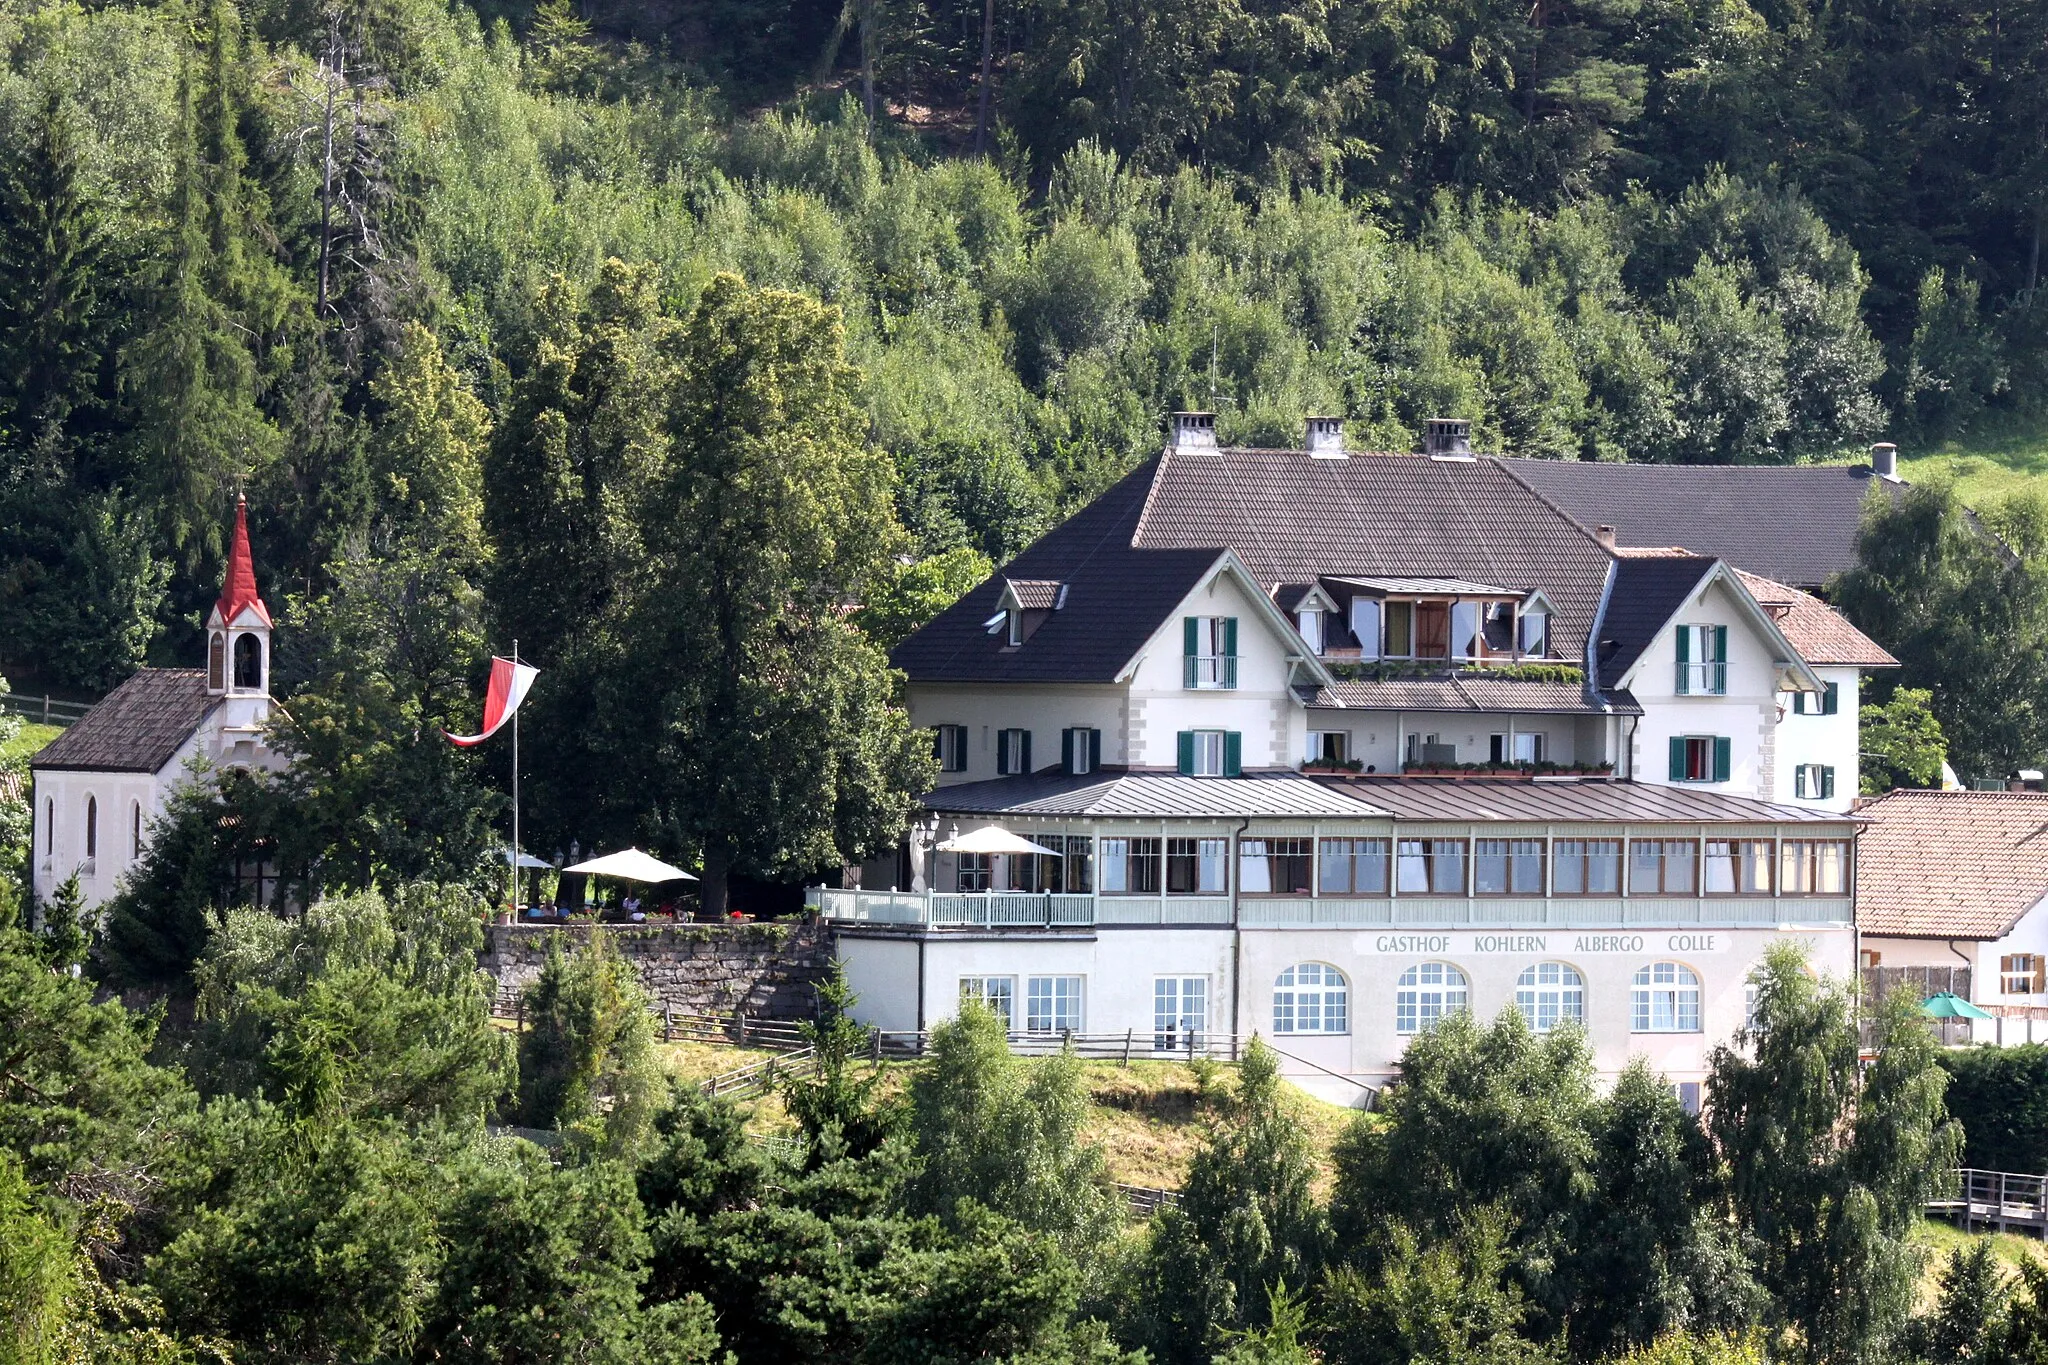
(509, 682)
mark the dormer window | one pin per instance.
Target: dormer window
(1026, 603)
(1015, 625)
(1310, 623)
(1534, 631)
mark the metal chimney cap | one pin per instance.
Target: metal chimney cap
(1884, 461)
(1447, 436)
(1325, 437)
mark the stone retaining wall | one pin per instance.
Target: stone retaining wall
(768, 970)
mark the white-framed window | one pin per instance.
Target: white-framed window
(1274, 867)
(997, 993)
(1662, 867)
(1665, 999)
(1426, 993)
(1585, 867)
(1520, 747)
(1425, 867)
(1702, 661)
(1013, 752)
(1130, 867)
(1329, 746)
(1366, 626)
(949, 746)
(1465, 638)
(1813, 781)
(1310, 622)
(1826, 702)
(1197, 867)
(1052, 1004)
(92, 828)
(1180, 1012)
(1016, 625)
(1738, 867)
(1400, 632)
(1354, 867)
(1080, 749)
(1210, 649)
(1311, 997)
(1507, 867)
(1701, 758)
(1688, 1094)
(2021, 974)
(1813, 867)
(1204, 753)
(1548, 993)
(1535, 631)
(49, 826)
(973, 871)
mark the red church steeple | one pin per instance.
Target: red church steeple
(239, 591)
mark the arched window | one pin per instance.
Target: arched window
(135, 831)
(92, 826)
(217, 662)
(50, 825)
(1426, 993)
(1311, 997)
(248, 661)
(1666, 999)
(1549, 993)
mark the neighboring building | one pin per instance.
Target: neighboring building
(100, 784)
(1950, 896)
(1794, 523)
(1217, 691)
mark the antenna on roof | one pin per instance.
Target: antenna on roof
(1213, 334)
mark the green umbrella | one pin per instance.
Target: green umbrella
(1949, 1005)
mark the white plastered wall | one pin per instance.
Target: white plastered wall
(882, 972)
(1043, 709)
(60, 806)
(1820, 739)
(1746, 715)
(1261, 707)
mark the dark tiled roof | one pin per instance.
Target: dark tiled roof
(1463, 694)
(1116, 598)
(1295, 519)
(1821, 634)
(1950, 864)
(1797, 525)
(1647, 590)
(1145, 795)
(1394, 585)
(1411, 798)
(137, 728)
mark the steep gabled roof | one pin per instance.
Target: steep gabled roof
(238, 591)
(1647, 590)
(1116, 597)
(1797, 525)
(137, 729)
(1821, 634)
(1950, 864)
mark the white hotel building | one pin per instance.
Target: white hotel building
(1329, 744)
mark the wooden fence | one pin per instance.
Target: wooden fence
(2005, 1200)
(44, 710)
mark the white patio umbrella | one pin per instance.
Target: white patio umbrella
(992, 839)
(526, 859)
(631, 865)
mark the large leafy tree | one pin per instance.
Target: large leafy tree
(767, 723)
(1831, 1164)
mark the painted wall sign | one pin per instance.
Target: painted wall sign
(1563, 943)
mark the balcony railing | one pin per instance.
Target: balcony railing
(1028, 910)
(1703, 679)
(1209, 670)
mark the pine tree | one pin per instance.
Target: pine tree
(65, 936)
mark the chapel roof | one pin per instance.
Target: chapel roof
(137, 728)
(238, 589)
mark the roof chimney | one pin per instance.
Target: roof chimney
(1193, 432)
(1884, 461)
(1605, 535)
(1326, 438)
(1447, 436)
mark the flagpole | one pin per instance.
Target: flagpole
(515, 791)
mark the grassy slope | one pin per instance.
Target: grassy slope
(25, 744)
(1986, 465)
(1148, 1118)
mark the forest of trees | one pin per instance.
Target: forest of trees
(448, 292)
(306, 1168)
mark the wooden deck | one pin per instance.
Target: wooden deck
(1999, 1200)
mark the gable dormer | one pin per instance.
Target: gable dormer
(1026, 604)
(1313, 611)
(238, 628)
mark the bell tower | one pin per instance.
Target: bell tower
(238, 651)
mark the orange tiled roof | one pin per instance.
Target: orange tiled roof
(1950, 864)
(1821, 634)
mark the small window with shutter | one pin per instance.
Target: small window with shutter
(1209, 753)
(2023, 974)
(1701, 758)
(1013, 752)
(1080, 749)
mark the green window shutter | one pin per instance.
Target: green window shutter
(1233, 753)
(1094, 751)
(1831, 700)
(1024, 751)
(1230, 636)
(1684, 658)
(1722, 748)
(1720, 645)
(1678, 758)
(1190, 627)
(1185, 742)
(1067, 750)
(1827, 783)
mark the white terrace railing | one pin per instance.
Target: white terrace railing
(1043, 910)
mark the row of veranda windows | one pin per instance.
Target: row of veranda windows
(1429, 867)
(1314, 997)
